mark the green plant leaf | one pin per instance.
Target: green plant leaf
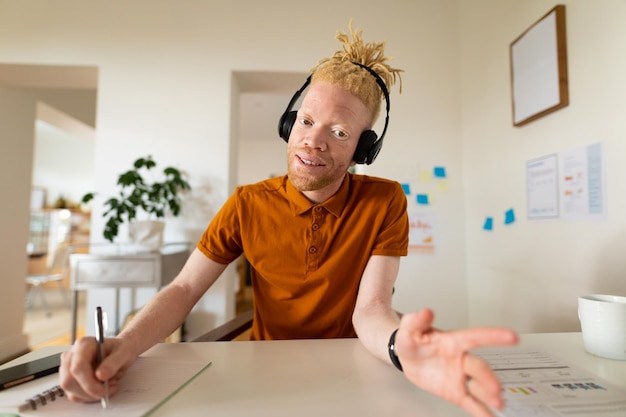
(87, 198)
(136, 193)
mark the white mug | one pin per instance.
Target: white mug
(603, 324)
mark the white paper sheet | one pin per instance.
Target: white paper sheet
(537, 384)
(147, 384)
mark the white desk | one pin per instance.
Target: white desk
(324, 378)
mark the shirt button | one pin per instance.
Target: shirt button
(315, 226)
(312, 249)
(318, 209)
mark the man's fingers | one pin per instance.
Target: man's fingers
(418, 323)
(77, 382)
(479, 372)
(475, 407)
(486, 336)
(80, 378)
(481, 382)
(422, 322)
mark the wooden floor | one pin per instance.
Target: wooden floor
(64, 339)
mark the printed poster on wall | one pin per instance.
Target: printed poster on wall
(422, 228)
(542, 187)
(570, 185)
(583, 183)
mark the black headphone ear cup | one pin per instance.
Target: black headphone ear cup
(374, 150)
(366, 142)
(286, 123)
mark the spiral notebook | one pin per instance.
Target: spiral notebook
(148, 384)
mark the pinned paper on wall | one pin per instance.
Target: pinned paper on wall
(422, 231)
(488, 225)
(542, 187)
(570, 185)
(441, 179)
(509, 216)
(439, 172)
(421, 189)
(583, 183)
(425, 176)
(442, 186)
(422, 199)
(436, 176)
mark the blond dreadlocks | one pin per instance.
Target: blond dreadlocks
(341, 70)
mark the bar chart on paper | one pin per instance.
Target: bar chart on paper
(536, 384)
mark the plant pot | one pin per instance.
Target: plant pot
(146, 235)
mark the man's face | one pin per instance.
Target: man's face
(323, 139)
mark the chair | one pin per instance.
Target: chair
(56, 270)
(229, 330)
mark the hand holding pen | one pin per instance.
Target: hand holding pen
(92, 360)
(100, 340)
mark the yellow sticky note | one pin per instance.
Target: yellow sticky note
(442, 186)
(425, 176)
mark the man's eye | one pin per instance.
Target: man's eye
(305, 122)
(340, 134)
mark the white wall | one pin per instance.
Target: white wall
(425, 131)
(63, 156)
(529, 274)
(262, 154)
(17, 115)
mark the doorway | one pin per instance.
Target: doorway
(261, 99)
(62, 170)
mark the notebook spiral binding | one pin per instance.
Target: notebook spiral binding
(42, 399)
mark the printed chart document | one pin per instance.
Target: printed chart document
(537, 384)
(148, 384)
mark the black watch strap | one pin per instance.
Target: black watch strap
(392, 351)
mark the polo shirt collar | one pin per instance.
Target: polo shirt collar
(334, 205)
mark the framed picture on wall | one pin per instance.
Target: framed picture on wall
(539, 82)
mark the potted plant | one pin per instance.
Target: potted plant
(140, 193)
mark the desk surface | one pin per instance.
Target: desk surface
(325, 377)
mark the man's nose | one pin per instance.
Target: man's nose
(316, 139)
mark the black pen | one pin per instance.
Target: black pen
(100, 339)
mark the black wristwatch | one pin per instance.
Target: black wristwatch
(392, 351)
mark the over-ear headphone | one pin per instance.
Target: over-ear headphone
(369, 144)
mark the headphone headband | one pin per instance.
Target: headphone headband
(383, 88)
(369, 144)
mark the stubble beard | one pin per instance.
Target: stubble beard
(307, 182)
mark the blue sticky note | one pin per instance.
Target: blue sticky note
(509, 216)
(439, 172)
(422, 199)
(406, 188)
(488, 223)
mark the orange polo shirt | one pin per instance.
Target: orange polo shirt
(306, 259)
